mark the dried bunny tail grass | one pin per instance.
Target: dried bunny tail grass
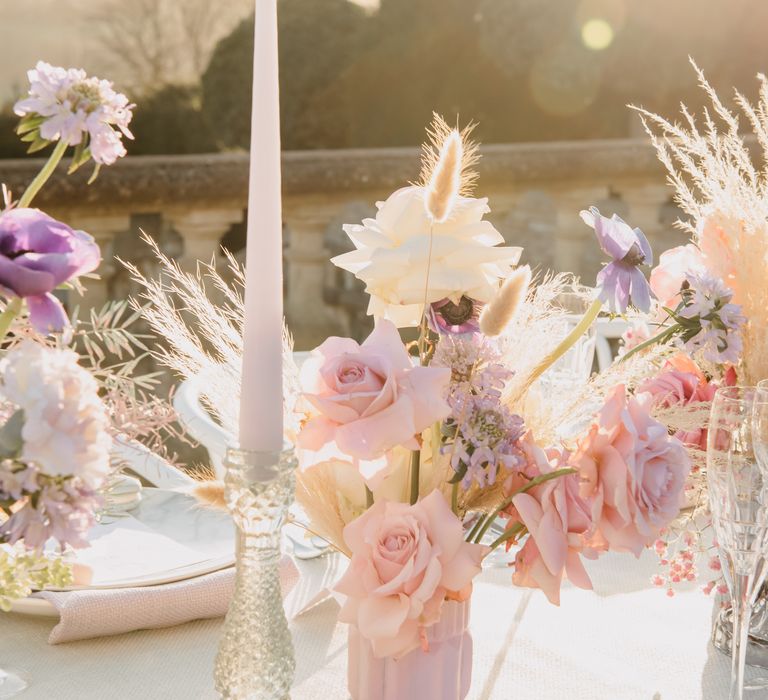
(210, 494)
(717, 183)
(498, 313)
(202, 339)
(318, 494)
(447, 163)
(445, 182)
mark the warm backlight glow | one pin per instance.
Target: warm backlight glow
(597, 34)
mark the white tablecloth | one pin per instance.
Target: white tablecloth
(625, 641)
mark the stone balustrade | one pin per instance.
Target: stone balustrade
(194, 204)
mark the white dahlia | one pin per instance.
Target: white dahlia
(404, 252)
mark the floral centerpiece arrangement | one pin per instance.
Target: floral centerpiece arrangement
(418, 459)
(408, 462)
(67, 386)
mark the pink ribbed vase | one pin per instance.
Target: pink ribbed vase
(442, 673)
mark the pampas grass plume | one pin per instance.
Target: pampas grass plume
(498, 313)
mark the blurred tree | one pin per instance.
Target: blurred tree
(318, 40)
(162, 42)
(517, 68)
(170, 121)
(526, 70)
(485, 60)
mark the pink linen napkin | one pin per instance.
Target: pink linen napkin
(100, 613)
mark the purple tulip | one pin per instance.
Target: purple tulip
(37, 254)
(447, 318)
(620, 283)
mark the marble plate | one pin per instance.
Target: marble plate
(168, 537)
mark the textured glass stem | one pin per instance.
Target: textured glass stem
(255, 659)
(741, 612)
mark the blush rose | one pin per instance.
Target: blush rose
(632, 472)
(365, 400)
(406, 560)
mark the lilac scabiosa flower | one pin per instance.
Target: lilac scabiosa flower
(67, 105)
(481, 434)
(445, 317)
(620, 282)
(37, 254)
(711, 324)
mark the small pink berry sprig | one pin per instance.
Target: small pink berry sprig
(678, 558)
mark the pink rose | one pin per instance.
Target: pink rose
(677, 387)
(669, 274)
(405, 561)
(632, 472)
(364, 400)
(560, 525)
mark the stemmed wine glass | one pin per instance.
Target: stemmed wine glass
(760, 425)
(739, 512)
(11, 684)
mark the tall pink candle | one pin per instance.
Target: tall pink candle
(261, 398)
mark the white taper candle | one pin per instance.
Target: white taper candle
(261, 401)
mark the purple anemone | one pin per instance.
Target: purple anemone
(620, 282)
(447, 318)
(37, 254)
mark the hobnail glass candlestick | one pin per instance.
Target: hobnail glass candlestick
(255, 658)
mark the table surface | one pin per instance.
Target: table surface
(626, 640)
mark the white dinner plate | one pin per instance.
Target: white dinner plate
(169, 537)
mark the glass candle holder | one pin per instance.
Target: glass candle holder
(255, 658)
(572, 370)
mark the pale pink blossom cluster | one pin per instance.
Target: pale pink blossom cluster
(55, 448)
(74, 106)
(65, 428)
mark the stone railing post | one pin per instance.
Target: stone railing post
(201, 231)
(104, 228)
(309, 319)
